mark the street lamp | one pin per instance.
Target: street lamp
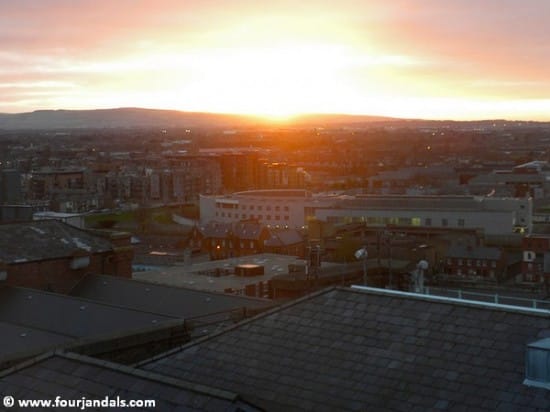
(362, 254)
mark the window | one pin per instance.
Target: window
(268, 208)
(461, 222)
(251, 207)
(444, 222)
(493, 264)
(428, 221)
(285, 208)
(277, 217)
(260, 207)
(469, 263)
(277, 208)
(459, 262)
(268, 217)
(286, 217)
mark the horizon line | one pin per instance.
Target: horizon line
(279, 119)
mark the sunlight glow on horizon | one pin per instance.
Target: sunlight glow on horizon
(378, 59)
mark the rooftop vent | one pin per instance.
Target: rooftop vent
(537, 364)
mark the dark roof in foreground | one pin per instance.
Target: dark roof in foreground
(369, 349)
(73, 377)
(168, 300)
(31, 320)
(46, 239)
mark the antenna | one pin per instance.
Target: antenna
(363, 254)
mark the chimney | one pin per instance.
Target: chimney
(537, 364)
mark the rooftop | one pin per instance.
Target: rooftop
(33, 320)
(371, 349)
(202, 275)
(169, 300)
(72, 376)
(46, 239)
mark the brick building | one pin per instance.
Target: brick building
(51, 255)
(226, 240)
(475, 262)
(535, 265)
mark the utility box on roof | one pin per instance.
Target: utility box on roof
(248, 270)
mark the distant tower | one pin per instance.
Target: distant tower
(10, 186)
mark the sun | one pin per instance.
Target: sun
(276, 83)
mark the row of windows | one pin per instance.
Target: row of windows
(470, 262)
(245, 216)
(473, 272)
(251, 207)
(268, 208)
(223, 243)
(398, 221)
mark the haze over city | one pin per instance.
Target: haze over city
(430, 59)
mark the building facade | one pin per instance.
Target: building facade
(493, 216)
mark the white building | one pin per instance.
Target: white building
(278, 207)
(494, 216)
(292, 208)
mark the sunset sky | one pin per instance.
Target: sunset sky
(455, 59)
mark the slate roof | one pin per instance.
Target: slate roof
(284, 237)
(168, 300)
(72, 376)
(46, 239)
(33, 320)
(371, 349)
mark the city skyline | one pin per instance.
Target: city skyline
(460, 60)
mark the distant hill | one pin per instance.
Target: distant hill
(115, 118)
(137, 117)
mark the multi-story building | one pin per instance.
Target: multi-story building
(10, 186)
(278, 207)
(227, 240)
(475, 262)
(55, 256)
(493, 216)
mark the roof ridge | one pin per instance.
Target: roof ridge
(88, 300)
(164, 285)
(448, 300)
(27, 363)
(152, 376)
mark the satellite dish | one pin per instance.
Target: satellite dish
(422, 265)
(361, 254)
